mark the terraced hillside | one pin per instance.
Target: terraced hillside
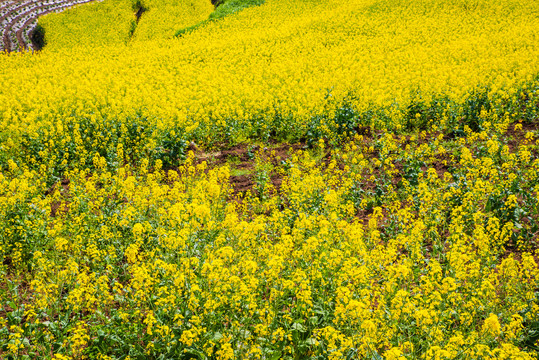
(18, 19)
(298, 179)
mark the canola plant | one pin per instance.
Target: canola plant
(401, 223)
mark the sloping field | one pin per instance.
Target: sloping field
(165, 17)
(270, 74)
(121, 22)
(92, 26)
(312, 179)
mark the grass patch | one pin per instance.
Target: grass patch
(240, 171)
(223, 8)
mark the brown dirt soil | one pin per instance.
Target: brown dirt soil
(242, 157)
(57, 205)
(241, 183)
(515, 138)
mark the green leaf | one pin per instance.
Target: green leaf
(217, 336)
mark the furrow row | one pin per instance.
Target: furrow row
(18, 19)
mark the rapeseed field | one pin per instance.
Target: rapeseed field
(299, 179)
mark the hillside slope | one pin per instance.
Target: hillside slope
(304, 179)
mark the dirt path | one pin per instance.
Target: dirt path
(11, 11)
(7, 28)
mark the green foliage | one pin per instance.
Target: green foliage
(38, 37)
(530, 336)
(223, 8)
(171, 149)
(228, 7)
(118, 142)
(139, 6)
(18, 242)
(189, 29)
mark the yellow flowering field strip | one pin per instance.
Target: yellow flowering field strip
(165, 17)
(302, 59)
(90, 27)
